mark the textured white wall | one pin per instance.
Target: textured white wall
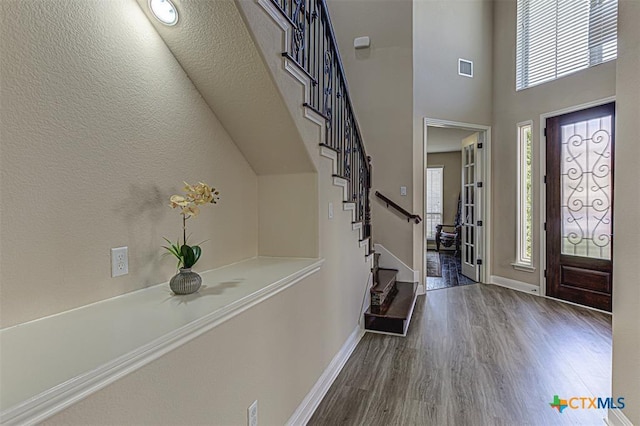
(99, 126)
(626, 291)
(215, 48)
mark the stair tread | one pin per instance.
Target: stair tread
(401, 306)
(385, 279)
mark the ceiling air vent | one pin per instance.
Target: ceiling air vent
(465, 67)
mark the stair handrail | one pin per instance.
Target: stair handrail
(405, 213)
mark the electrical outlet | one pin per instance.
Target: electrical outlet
(119, 261)
(252, 414)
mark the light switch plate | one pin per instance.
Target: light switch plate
(403, 190)
(330, 210)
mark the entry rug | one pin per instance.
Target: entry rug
(434, 269)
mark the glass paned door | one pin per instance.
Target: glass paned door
(579, 203)
(469, 249)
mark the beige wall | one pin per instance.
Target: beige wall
(626, 291)
(445, 139)
(443, 31)
(115, 86)
(288, 215)
(100, 125)
(452, 181)
(380, 83)
(511, 107)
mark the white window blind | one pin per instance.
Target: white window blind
(558, 37)
(433, 214)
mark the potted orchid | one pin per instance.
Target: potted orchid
(187, 281)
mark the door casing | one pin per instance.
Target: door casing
(485, 212)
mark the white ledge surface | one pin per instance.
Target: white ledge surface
(50, 363)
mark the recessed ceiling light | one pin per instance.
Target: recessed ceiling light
(164, 11)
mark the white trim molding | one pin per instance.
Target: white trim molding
(514, 284)
(484, 246)
(617, 418)
(523, 267)
(310, 403)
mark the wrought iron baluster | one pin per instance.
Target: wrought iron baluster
(327, 96)
(299, 30)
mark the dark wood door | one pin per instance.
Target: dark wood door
(579, 223)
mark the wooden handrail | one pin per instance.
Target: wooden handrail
(409, 216)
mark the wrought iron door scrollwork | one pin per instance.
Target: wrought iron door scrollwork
(586, 201)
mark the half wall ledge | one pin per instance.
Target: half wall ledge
(48, 364)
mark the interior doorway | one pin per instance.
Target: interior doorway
(455, 209)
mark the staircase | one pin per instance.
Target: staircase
(392, 302)
(311, 56)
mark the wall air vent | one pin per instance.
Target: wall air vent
(465, 67)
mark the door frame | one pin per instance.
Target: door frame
(485, 177)
(543, 188)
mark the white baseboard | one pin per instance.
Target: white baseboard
(514, 284)
(617, 418)
(308, 406)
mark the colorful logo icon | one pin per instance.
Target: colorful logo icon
(559, 404)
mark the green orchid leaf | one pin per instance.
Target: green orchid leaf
(188, 256)
(197, 251)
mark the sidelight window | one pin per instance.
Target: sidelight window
(524, 249)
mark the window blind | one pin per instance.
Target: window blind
(558, 37)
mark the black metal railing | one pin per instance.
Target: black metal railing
(408, 215)
(313, 48)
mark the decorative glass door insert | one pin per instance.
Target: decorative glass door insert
(586, 188)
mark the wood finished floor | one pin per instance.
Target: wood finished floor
(476, 355)
(451, 273)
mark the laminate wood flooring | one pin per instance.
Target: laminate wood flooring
(451, 273)
(476, 355)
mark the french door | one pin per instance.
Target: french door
(470, 207)
(579, 223)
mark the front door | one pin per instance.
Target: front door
(470, 207)
(580, 148)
